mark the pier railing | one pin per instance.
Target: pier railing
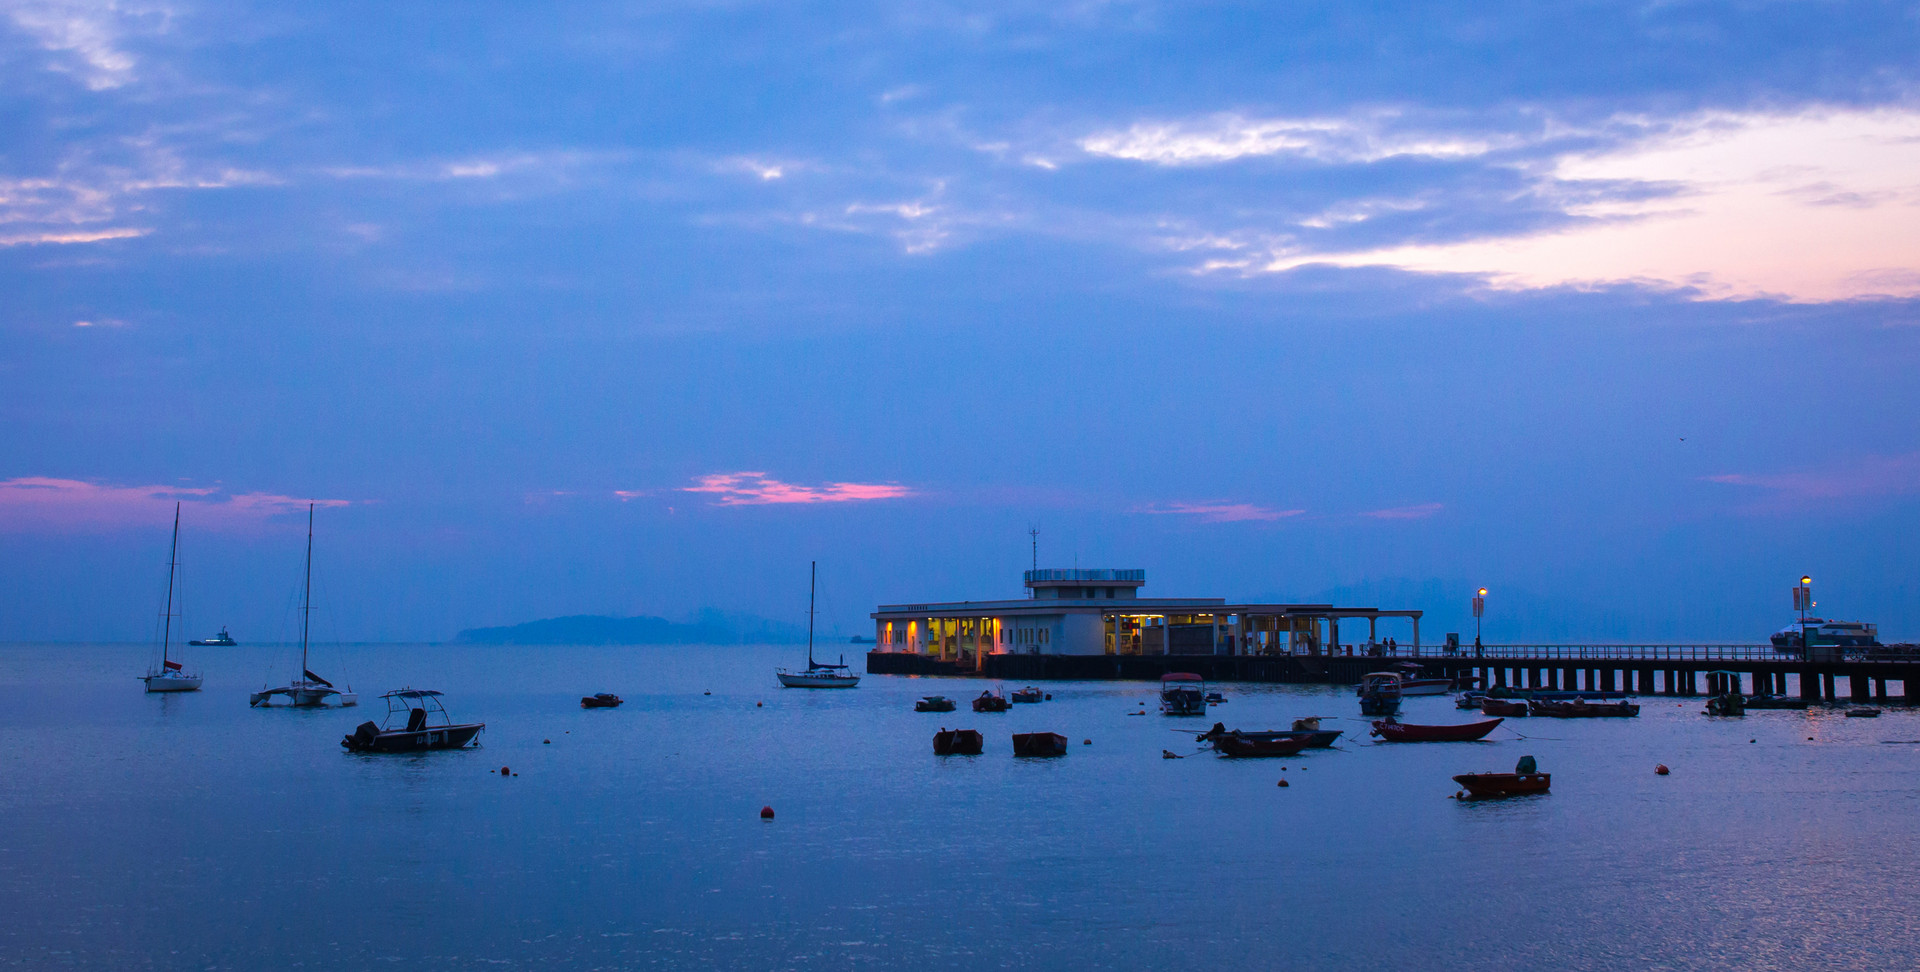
(1682, 653)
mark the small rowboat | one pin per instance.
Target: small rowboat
(1484, 786)
(1582, 709)
(1390, 731)
(934, 703)
(1029, 694)
(1039, 744)
(957, 742)
(600, 700)
(989, 702)
(1505, 708)
(1236, 745)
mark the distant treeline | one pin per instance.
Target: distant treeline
(709, 627)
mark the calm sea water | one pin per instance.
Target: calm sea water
(191, 832)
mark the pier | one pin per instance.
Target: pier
(1675, 670)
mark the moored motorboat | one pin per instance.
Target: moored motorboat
(1236, 745)
(1390, 731)
(1039, 744)
(1183, 694)
(1775, 702)
(934, 703)
(427, 726)
(958, 742)
(1028, 694)
(1864, 712)
(1380, 693)
(1305, 729)
(600, 700)
(989, 702)
(1469, 699)
(1525, 779)
(1582, 709)
(1728, 704)
(1505, 708)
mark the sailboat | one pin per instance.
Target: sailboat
(171, 676)
(817, 674)
(308, 690)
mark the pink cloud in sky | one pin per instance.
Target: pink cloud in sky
(36, 503)
(758, 489)
(1222, 512)
(1866, 477)
(1419, 512)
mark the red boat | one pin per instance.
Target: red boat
(1390, 731)
(989, 702)
(1582, 709)
(1233, 745)
(1503, 707)
(1039, 744)
(1482, 786)
(957, 742)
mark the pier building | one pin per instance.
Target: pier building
(1099, 612)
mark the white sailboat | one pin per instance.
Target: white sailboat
(171, 676)
(817, 674)
(308, 690)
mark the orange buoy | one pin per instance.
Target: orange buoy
(503, 771)
(766, 813)
(758, 704)
(546, 742)
(1660, 770)
(1283, 782)
(1086, 742)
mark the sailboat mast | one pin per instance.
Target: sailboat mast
(813, 575)
(306, 598)
(173, 561)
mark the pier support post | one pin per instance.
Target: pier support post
(1857, 689)
(1606, 680)
(1827, 689)
(1809, 686)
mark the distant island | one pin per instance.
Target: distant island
(710, 627)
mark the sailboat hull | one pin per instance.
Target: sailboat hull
(172, 683)
(805, 680)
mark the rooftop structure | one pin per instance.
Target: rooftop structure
(1082, 611)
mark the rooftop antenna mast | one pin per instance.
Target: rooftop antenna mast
(1033, 531)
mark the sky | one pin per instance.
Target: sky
(599, 308)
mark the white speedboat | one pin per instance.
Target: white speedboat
(309, 690)
(817, 674)
(171, 676)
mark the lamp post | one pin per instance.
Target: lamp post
(1479, 607)
(1803, 599)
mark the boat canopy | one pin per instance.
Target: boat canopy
(411, 694)
(1181, 677)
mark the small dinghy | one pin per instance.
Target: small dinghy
(1236, 745)
(989, 702)
(1525, 779)
(427, 727)
(934, 703)
(1864, 712)
(1306, 729)
(1029, 694)
(1469, 700)
(1039, 744)
(957, 742)
(1391, 731)
(1504, 708)
(1582, 709)
(600, 700)
(1775, 702)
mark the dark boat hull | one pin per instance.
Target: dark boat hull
(991, 703)
(1401, 732)
(1584, 710)
(1039, 744)
(1775, 702)
(1314, 738)
(417, 741)
(1234, 746)
(600, 701)
(958, 742)
(945, 705)
(1380, 705)
(1504, 708)
(1485, 786)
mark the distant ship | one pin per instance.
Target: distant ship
(221, 640)
(1819, 633)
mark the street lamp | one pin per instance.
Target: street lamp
(1479, 606)
(1804, 597)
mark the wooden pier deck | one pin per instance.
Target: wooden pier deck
(1678, 670)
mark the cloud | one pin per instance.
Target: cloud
(1811, 206)
(90, 35)
(1228, 137)
(1864, 478)
(1221, 512)
(86, 236)
(1419, 512)
(38, 504)
(757, 489)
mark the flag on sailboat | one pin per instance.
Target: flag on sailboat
(311, 677)
(173, 666)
